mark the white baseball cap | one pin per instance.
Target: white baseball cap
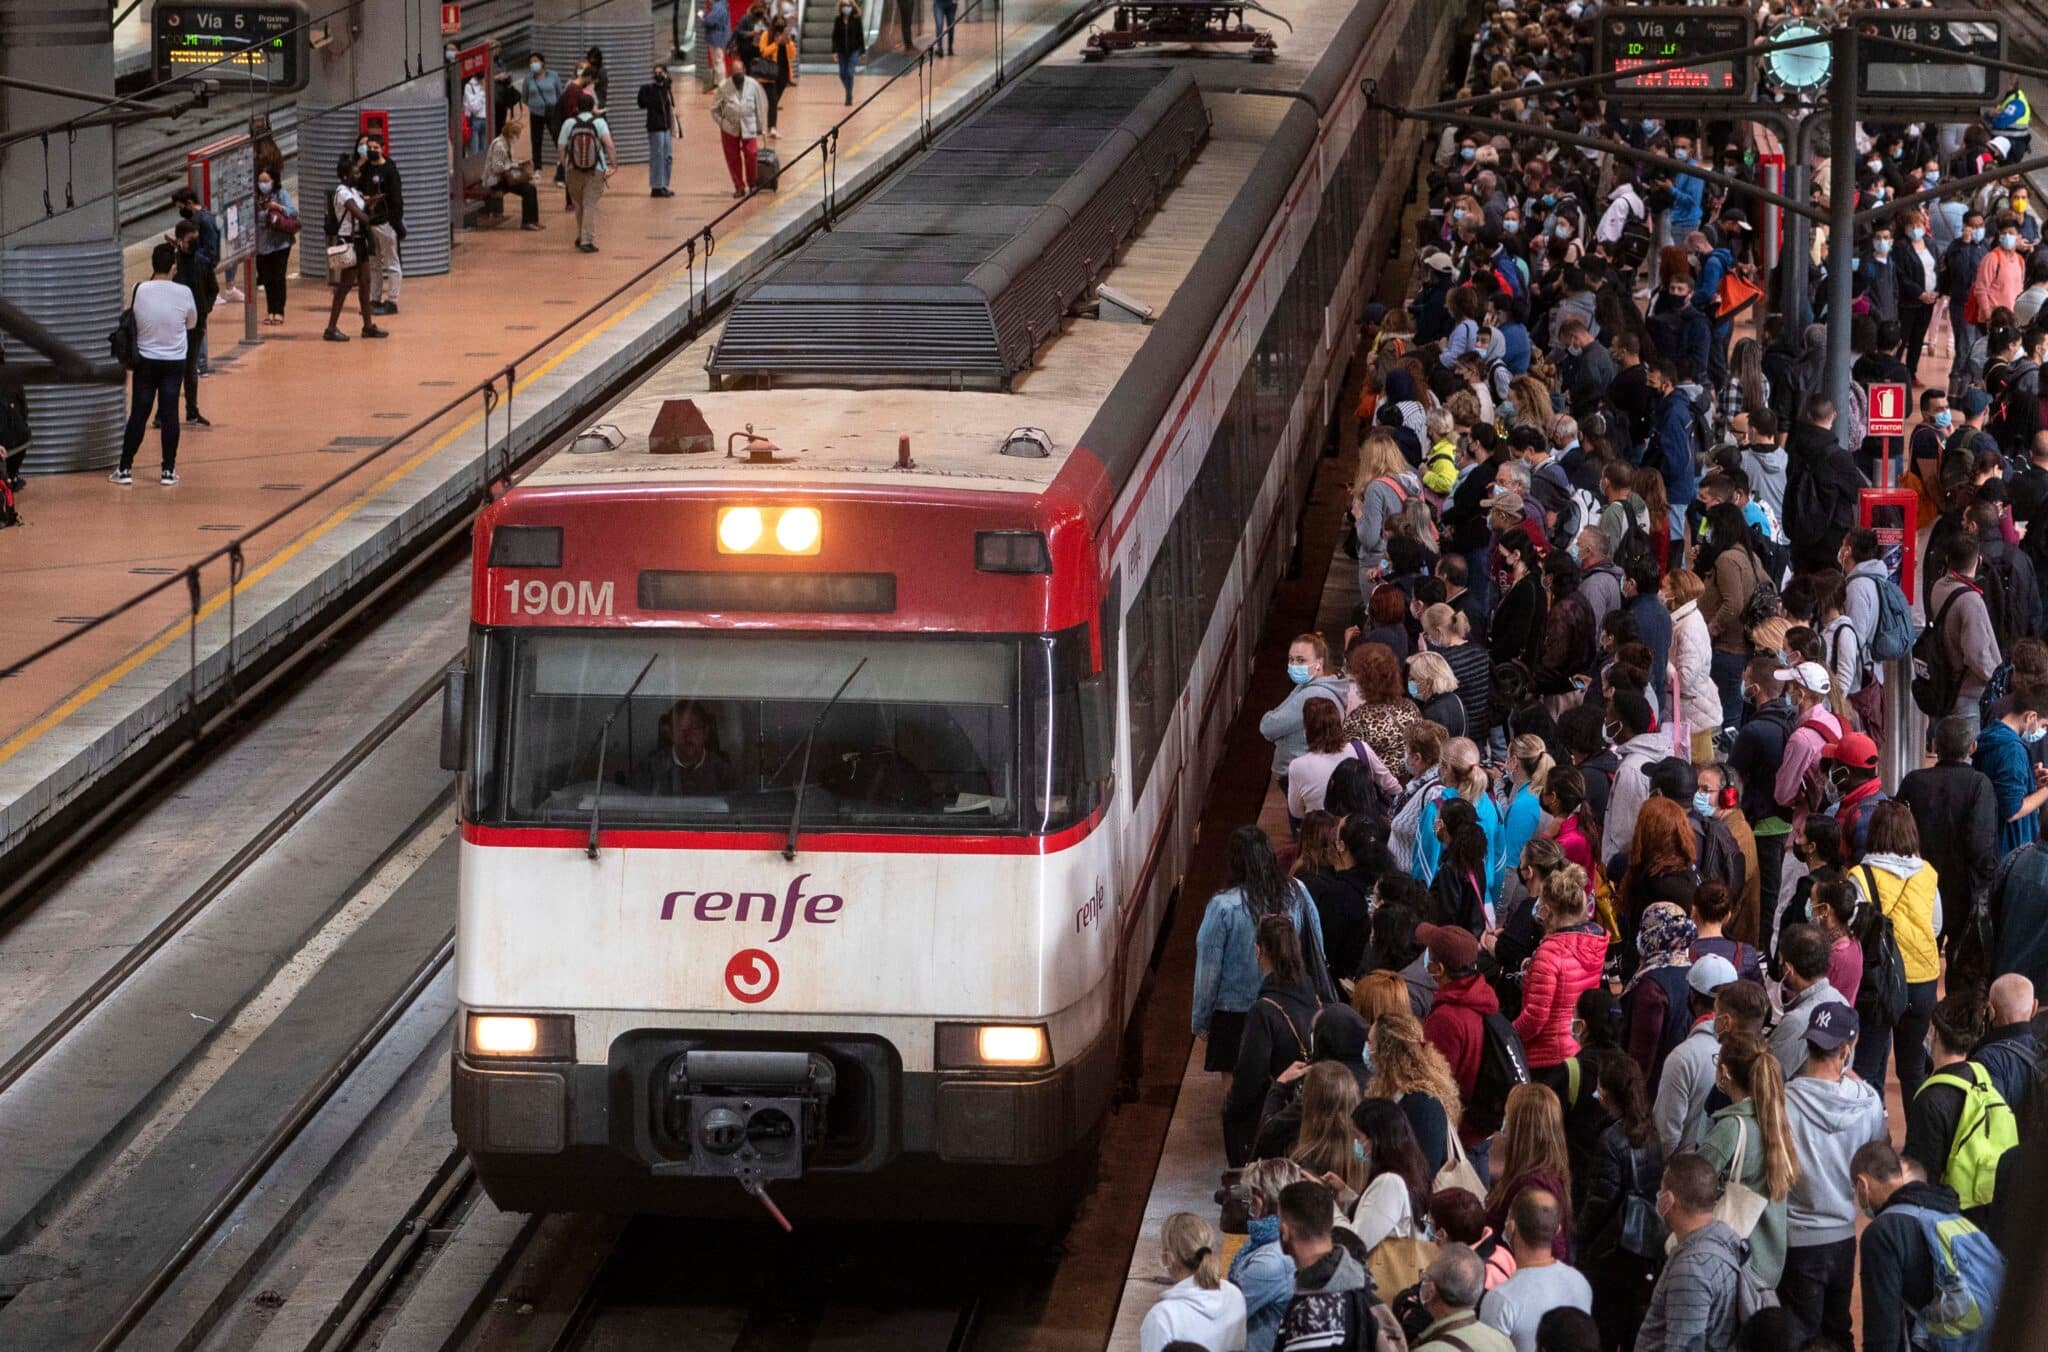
(1812, 675)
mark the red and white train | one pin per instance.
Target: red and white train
(820, 811)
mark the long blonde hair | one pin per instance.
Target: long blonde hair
(1379, 457)
(1755, 1072)
(1532, 1141)
(1327, 1143)
(1532, 404)
(1404, 1062)
(1459, 768)
(1379, 993)
(1532, 753)
(1191, 1244)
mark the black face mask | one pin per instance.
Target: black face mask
(185, 211)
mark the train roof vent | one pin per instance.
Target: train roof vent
(958, 270)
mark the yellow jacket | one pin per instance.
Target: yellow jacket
(1911, 900)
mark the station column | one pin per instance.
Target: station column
(377, 63)
(60, 247)
(564, 31)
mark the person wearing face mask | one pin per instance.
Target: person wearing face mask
(1877, 277)
(849, 42)
(1918, 281)
(658, 100)
(2001, 275)
(1688, 193)
(1308, 660)
(380, 184)
(1909, 1217)
(1958, 279)
(543, 96)
(2001, 755)
(1956, 607)
(197, 270)
(277, 222)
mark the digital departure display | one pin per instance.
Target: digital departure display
(1894, 74)
(234, 43)
(1631, 39)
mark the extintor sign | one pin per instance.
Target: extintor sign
(1887, 411)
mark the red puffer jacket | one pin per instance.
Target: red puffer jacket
(1566, 966)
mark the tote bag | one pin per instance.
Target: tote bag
(1741, 1206)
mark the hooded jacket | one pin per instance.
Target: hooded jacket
(1765, 466)
(1897, 1268)
(1829, 1120)
(1631, 789)
(1265, 1276)
(1331, 1299)
(1767, 1241)
(1908, 894)
(1188, 1313)
(1672, 452)
(1815, 458)
(1683, 1088)
(1566, 966)
(1277, 1029)
(1456, 1026)
(2018, 902)
(1692, 1308)
(1600, 589)
(1692, 663)
(1281, 725)
(1788, 1039)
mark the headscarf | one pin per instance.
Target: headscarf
(1664, 938)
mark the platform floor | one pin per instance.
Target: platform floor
(290, 410)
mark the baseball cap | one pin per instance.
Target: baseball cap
(1973, 402)
(1734, 219)
(1812, 675)
(1505, 500)
(1710, 973)
(1855, 750)
(1374, 312)
(1451, 945)
(1436, 260)
(1833, 1024)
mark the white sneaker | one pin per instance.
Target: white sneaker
(234, 295)
(167, 479)
(121, 477)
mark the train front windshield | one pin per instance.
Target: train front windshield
(957, 735)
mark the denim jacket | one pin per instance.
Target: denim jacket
(1266, 1276)
(1226, 954)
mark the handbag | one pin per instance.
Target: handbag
(1642, 1229)
(1458, 1171)
(341, 256)
(282, 221)
(1741, 1206)
(1397, 1264)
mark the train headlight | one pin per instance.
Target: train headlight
(739, 529)
(526, 1037)
(770, 530)
(988, 1046)
(797, 530)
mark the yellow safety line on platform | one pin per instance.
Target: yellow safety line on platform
(100, 684)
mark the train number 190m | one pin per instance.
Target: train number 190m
(536, 597)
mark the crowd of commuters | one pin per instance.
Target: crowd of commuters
(1565, 1015)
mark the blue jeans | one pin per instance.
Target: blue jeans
(660, 158)
(1908, 1037)
(155, 382)
(947, 13)
(847, 61)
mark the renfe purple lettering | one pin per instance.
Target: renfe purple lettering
(782, 912)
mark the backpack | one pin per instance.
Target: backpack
(1703, 435)
(125, 342)
(1559, 502)
(2001, 600)
(1969, 1273)
(1502, 1066)
(586, 150)
(1413, 512)
(1763, 597)
(1893, 637)
(1881, 998)
(1984, 1132)
(1936, 681)
(1776, 558)
(1634, 551)
(1635, 243)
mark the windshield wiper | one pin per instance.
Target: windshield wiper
(604, 738)
(803, 776)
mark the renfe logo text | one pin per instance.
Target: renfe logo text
(818, 909)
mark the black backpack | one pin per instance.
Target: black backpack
(1762, 602)
(2001, 600)
(1503, 1065)
(1634, 550)
(1881, 998)
(125, 342)
(1936, 682)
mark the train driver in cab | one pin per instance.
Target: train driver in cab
(686, 761)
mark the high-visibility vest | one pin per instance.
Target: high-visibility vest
(2014, 112)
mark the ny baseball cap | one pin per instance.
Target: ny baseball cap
(1710, 973)
(1833, 1024)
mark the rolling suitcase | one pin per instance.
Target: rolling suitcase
(767, 168)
